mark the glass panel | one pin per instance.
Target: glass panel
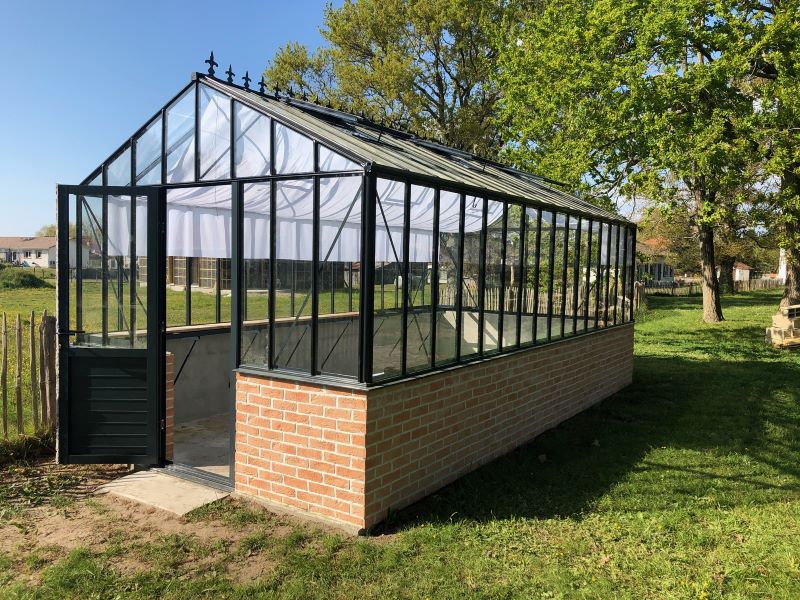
(387, 328)
(215, 134)
(420, 255)
(570, 285)
(256, 244)
(90, 272)
(615, 272)
(631, 262)
(605, 250)
(529, 277)
(339, 273)
(595, 275)
(582, 271)
(294, 152)
(251, 142)
(448, 246)
(198, 233)
(119, 171)
(544, 309)
(148, 155)
(493, 267)
(559, 277)
(180, 138)
(294, 232)
(470, 276)
(331, 161)
(512, 276)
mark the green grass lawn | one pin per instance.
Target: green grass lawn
(684, 485)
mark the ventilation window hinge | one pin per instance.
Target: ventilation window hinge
(163, 424)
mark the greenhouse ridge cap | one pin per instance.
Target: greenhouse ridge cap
(380, 147)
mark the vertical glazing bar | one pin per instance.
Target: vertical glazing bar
(232, 145)
(78, 265)
(482, 276)
(133, 262)
(434, 274)
(104, 259)
(460, 289)
(315, 268)
(616, 273)
(350, 286)
(368, 276)
(536, 274)
(383, 271)
(63, 311)
(272, 275)
(598, 278)
(120, 294)
(237, 274)
(523, 245)
(333, 287)
(607, 276)
(406, 261)
(576, 273)
(633, 262)
(501, 303)
(587, 290)
(550, 274)
(156, 310)
(188, 263)
(197, 131)
(624, 231)
(218, 294)
(293, 280)
(163, 146)
(564, 267)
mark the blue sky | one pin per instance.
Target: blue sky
(80, 76)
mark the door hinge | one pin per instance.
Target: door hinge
(163, 424)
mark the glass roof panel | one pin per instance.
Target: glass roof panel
(148, 155)
(215, 134)
(332, 161)
(294, 152)
(251, 142)
(180, 139)
(119, 171)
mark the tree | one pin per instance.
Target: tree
(768, 33)
(424, 64)
(47, 230)
(631, 100)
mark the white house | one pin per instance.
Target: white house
(38, 251)
(651, 261)
(741, 271)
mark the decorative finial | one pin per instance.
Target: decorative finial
(211, 64)
(305, 96)
(290, 92)
(230, 73)
(246, 80)
(316, 98)
(277, 90)
(262, 85)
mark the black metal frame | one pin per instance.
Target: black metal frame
(366, 307)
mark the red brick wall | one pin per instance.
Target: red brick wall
(302, 446)
(354, 455)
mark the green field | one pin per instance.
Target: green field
(684, 485)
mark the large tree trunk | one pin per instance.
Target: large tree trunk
(726, 274)
(791, 189)
(712, 308)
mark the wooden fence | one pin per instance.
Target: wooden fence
(694, 289)
(31, 363)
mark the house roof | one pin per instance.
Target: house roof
(401, 153)
(742, 266)
(653, 246)
(28, 243)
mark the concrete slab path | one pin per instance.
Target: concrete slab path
(162, 491)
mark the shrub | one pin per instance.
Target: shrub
(11, 279)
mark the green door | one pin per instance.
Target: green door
(110, 325)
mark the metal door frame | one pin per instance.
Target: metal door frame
(156, 311)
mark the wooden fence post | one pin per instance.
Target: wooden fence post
(42, 388)
(34, 383)
(20, 419)
(4, 377)
(52, 350)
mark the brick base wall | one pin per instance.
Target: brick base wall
(352, 456)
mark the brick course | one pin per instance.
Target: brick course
(353, 455)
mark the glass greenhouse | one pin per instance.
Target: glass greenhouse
(315, 245)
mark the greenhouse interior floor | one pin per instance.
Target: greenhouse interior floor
(204, 444)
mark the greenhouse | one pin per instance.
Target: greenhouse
(256, 260)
